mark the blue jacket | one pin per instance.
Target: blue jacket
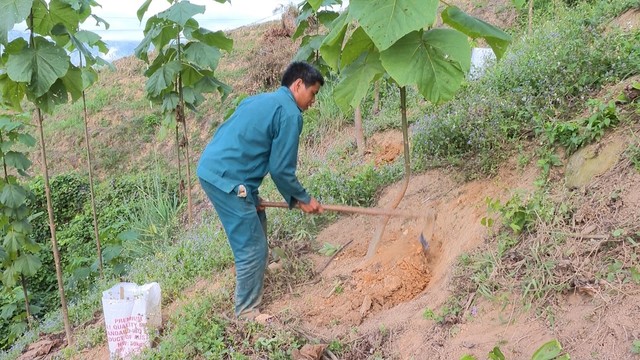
(261, 137)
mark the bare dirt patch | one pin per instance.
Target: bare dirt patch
(627, 22)
(384, 147)
(353, 299)
(352, 292)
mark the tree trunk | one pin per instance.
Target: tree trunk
(376, 97)
(359, 130)
(185, 139)
(530, 28)
(96, 232)
(180, 182)
(52, 228)
(373, 245)
(180, 118)
(187, 165)
(23, 281)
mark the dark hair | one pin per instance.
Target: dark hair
(301, 70)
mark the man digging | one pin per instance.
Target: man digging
(262, 136)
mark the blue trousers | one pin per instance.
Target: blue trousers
(246, 230)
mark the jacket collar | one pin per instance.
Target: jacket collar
(285, 90)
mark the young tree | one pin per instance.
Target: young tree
(18, 252)
(78, 42)
(183, 69)
(398, 40)
(40, 70)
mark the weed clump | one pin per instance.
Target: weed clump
(271, 55)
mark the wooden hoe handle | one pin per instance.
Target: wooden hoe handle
(352, 209)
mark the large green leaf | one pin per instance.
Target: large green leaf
(13, 195)
(26, 139)
(358, 43)
(308, 46)
(386, 21)
(42, 23)
(27, 264)
(13, 12)
(12, 241)
(327, 17)
(40, 66)
(142, 50)
(202, 55)
(82, 39)
(216, 39)
(209, 84)
(181, 12)
(23, 226)
(9, 276)
(30, 245)
(476, 28)
(99, 21)
(302, 26)
(190, 75)
(163, 78)
(73, 82)
(6, 124)
(168, 33)
(16, 160)
(61, 12)
(6, 146)
(129, 235)
(332, 44)
(436, 61)
(80, 46)
(56, 95)
(143, 9)
(192, 98)
(15, 47)
(111, 252)
(8, 310)
(89, 77)
(315, 4)
(170, 102)
(19, 212)
(12, 92)
(356, 79)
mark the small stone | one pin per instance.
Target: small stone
(468, 345)
(275, 267)
(366, 305)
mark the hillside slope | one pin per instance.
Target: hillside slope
(570, 278)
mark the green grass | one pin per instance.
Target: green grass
(540, 80)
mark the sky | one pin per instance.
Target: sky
(124, 24)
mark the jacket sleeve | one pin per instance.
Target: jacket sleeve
(283, 159)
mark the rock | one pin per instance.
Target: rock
(392, 283)
(366, 305)
(309, 352)
(590, 161)
(274, 267)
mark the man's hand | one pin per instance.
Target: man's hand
(260, 207)
(313, 207)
